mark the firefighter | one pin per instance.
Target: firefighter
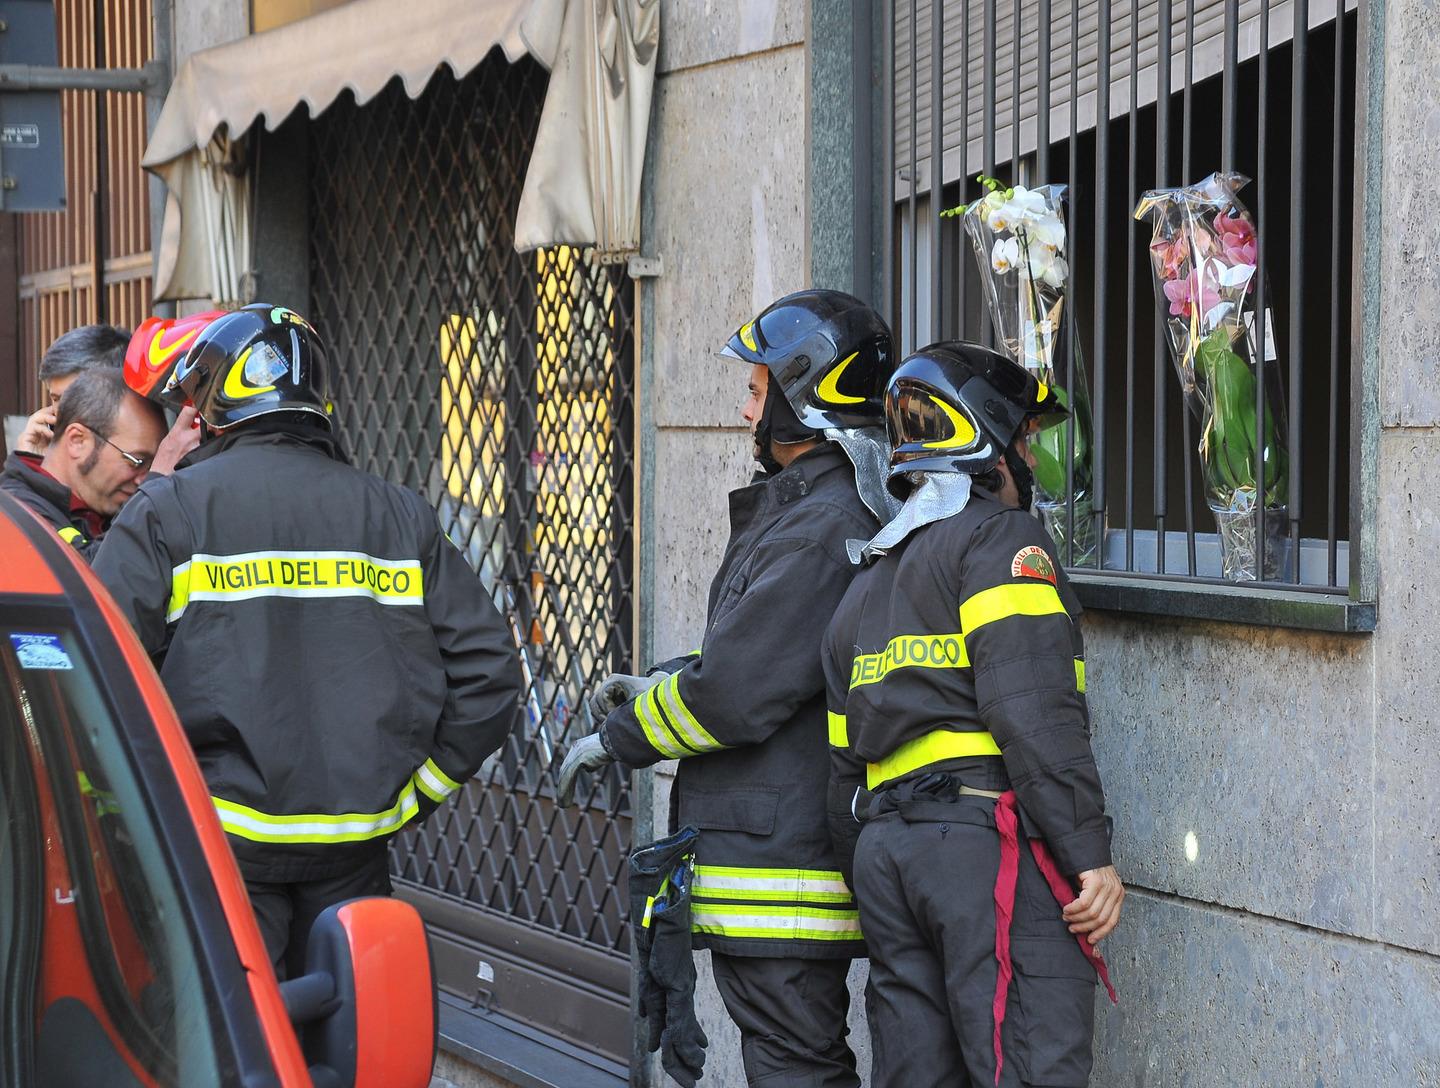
(338, 668)
(745, 715)
(955, 677)
(106, 442)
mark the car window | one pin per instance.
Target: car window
(116, 995)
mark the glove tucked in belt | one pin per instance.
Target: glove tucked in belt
(660, 880)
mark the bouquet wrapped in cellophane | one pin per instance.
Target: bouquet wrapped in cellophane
(1020, 245)
(1203, 255)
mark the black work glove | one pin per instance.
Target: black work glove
(660, 879)
(672, 966)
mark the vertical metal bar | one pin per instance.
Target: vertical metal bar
(1072, 179)
(1158, 351)
(988, 333)
(98, 227)
(1102, 256)
(1299, 42)
(1042, 97)
(1261, 347)
(962, 260)
(1229, 89)
(887, 263)
(1016, 33)
(1187, 438)
(1337, 107)
(988, 58)
(912, 281)
(937, 153)
(1133, 147)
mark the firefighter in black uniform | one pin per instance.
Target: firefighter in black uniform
(337, 666)
(746, 714)
(955, 677)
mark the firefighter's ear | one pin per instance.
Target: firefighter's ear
(77, 440)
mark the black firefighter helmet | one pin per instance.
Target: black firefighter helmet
(253, 362)
(829, 356)
(957, 407)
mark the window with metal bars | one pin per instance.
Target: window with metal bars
(1110, 100)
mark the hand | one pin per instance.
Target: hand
(1097, 909)
(39, 432)
(183, 438)
(618, 689)
(586, 754)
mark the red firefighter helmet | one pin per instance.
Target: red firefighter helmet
(157, 348)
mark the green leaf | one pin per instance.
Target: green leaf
(1230, 441)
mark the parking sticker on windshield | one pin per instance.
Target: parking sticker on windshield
(40, 652)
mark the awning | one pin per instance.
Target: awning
(583, 183)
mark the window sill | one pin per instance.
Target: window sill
(520, 1054)
(1263, 607)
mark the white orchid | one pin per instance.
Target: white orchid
(1047, 266)
(1005, 257)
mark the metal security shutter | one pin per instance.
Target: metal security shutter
(499, 385)
(964, 73)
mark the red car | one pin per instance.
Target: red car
(128, 952)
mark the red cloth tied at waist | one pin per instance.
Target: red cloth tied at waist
(1007, 823)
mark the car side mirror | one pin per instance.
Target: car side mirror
(365, 1009)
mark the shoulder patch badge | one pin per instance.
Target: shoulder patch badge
(1033, 562)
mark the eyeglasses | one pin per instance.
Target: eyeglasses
(131, 459)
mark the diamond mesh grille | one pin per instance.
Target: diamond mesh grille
(499, 386)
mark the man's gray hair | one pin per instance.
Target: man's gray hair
(93, 401)
(87, 348)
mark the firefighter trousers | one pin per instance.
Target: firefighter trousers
(791, 1015)
(926, 889)
(287, 910)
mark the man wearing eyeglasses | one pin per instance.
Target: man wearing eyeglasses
(106, 440)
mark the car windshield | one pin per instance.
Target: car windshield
(100, 977)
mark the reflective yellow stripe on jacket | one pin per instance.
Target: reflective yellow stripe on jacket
(797, 923)
(788, 904)
(669, 726)
(294, 574)
(434, 783)
(931, 748)
(318, 827)
(1002, 602)
(758, 884)
(910, 652)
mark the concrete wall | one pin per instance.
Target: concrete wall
(727, 214)
(1274, 791)
(1300, 944)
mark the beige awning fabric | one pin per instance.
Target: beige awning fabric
(582, 185)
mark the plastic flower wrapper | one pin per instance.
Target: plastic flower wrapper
(1203, 255)
(1020, 246)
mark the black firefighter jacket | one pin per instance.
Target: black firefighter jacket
(49, 498)
(746, 719)
(960, 645)
(337, 666)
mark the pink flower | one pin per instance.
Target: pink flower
(1237, 238)
(1170, 256)
(1173, 256)
(1181, 293)
(1237, 225)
